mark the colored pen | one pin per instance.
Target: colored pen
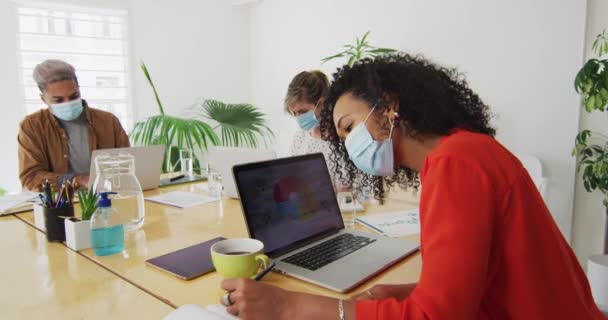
(44, 203)
(68, 192)
(61, 203)
(59, 196)
(46, 188)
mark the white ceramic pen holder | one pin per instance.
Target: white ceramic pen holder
(77, 234)
(39, 217)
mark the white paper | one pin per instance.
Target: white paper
(194, 312)
(221, 310)
(10, 203)
(393, 224)
(182, 199)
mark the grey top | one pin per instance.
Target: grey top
(78, 144)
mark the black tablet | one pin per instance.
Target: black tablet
(187, 263)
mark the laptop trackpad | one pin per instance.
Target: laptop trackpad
(344, 274)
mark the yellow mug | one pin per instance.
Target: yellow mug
(238, 258)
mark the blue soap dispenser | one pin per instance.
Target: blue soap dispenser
(107, 230)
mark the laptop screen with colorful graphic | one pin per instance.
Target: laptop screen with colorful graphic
(287, 200)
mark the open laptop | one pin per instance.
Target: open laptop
(148, 164)
(290, 205)
(222, 159)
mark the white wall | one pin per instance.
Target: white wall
(192, 49)
(520, 56)
(12, 105)
(589, 213)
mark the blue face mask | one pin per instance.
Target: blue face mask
(375, 158)
(308, 121)
(67, 111)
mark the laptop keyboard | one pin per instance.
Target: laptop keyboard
(329, 251)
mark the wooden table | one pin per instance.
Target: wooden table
(42, 280)
(167, 229)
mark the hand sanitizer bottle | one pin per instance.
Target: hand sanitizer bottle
(107, 230)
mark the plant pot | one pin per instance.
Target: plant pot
(39, 218)
(77, 234)
(54, 222)
(597, 273)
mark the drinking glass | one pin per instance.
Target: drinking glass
(214, 180)
(348, 206)
(186, 162)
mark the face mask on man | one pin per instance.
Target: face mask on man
(308, 121)
(375, 158)
(67, 111)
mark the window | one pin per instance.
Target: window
(94, 41)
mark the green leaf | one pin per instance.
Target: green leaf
(241, 124)
(338, 55)
(599, 102)
(578, 81)
(351, 60)
(147, 74)
(590, 103)
(382, 50)
(364, 38)
(88, 201)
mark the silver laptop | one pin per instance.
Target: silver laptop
(148, 164)
(222, 159)
(290, 205)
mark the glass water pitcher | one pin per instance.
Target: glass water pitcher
(117, 174)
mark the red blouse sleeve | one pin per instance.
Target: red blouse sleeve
(457, 217)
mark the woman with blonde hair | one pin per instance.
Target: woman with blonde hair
(304, 101)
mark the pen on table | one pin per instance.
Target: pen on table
(226, 297)
(177, 178)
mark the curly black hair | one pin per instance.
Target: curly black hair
(433, 101)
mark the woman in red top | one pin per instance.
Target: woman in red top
(490, 248)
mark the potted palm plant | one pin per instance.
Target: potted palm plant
(77, 231)
(360, 50)
(238, 124)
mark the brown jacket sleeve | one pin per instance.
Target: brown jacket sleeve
(121, 137)
(33, 162)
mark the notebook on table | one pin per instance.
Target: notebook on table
(19, 202)
(181, 199)
(289, 204)
(194, 312)
(392, 224)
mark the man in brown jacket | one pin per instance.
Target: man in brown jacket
(56, 143)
